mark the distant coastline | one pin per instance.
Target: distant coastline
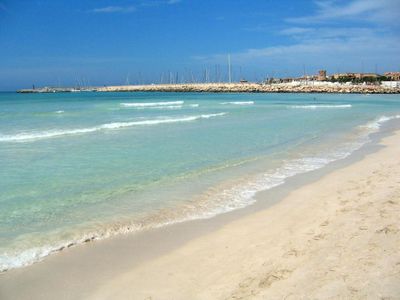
(291, 87)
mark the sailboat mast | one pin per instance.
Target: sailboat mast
(229, 69)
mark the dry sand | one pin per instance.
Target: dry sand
(336, 238)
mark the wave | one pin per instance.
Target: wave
(243, 194)
(225, 200)
(239, 103)
(378, 122)
(158, 106)
(316, 106)
(161, 107)
(59, 112)
(149, 104)
(25, 137)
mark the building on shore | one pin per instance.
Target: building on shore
(321, 75)
(392, 76)
(354, 75)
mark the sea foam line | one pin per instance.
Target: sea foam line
(25, 137)
(161, 107)
(243, 194)
(316, 106)
(166, 107)
(149, 104)
(377, 123)
(239, 103)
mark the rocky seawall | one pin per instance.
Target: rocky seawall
(253, 88)
(311, 87)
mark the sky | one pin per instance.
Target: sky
(103, 42)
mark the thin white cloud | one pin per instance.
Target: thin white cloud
(346, 54)
(321, 33)
(339, 33)
(114, 9)
(371, 46)
(363, 10)
(132, 8)
(155, 3)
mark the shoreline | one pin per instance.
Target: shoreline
(258, 184)
(117, 251)
(310, 87)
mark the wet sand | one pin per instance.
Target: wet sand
(337, 237)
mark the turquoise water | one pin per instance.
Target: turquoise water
(79, 166)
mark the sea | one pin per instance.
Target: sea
(77, 167)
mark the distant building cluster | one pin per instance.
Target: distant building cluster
(368, 78)
(393, 76)
(354, 75)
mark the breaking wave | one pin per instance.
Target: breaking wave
(316, 106)
(150, 104)
(239, 103)
(377, 123)
(31, 136)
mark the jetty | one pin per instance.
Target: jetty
(243, 87)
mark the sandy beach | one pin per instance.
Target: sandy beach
(200, 150)
(334, 238)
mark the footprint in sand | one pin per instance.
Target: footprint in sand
(293, 252)
(274, 276)
(391, 228)
(325, 223)
(319, 237)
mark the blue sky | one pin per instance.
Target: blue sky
(55, 42)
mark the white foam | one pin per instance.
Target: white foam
(24, 258)
(25, 137)
(316, 106)
(27, 257)
(59, 111)
(239, 103)
(377, 123)
(161, 107)
(149, 104)
(243, 194)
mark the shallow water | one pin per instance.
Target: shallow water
(88, 165)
